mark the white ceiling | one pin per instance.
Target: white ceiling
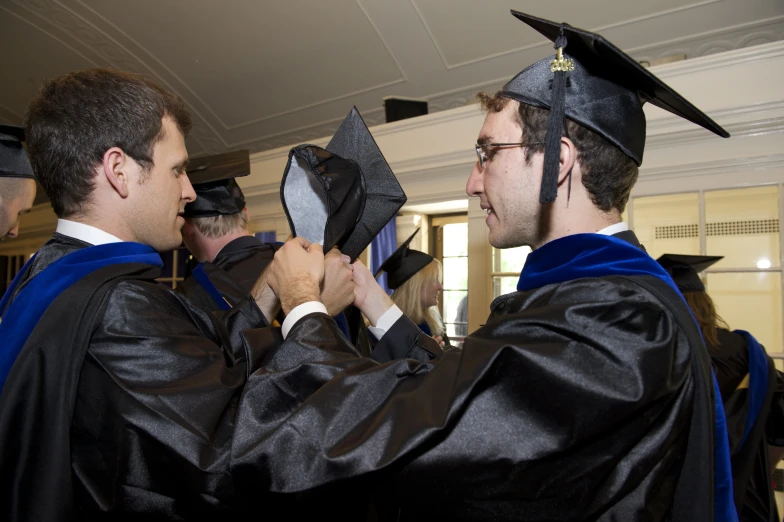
(260, 74)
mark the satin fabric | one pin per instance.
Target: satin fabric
(30, 302)
(592, 255)
(242, 260)
(231, 276)
(749, 441)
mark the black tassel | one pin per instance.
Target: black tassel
(552, 145)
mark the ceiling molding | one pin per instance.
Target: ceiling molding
(9, 116)
(112, 53)
(100, 40)
(545, 43)
(717, 41)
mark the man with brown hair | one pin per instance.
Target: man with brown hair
(586, 395)
(120, 395)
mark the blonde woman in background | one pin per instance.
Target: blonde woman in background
(416, 279)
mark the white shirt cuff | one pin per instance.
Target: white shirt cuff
(385, 322)
(298, 313)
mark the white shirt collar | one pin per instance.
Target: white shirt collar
(614, 229)
(86, 233)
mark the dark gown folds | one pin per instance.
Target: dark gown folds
(754, 496)
(582, 400)
(243, 260)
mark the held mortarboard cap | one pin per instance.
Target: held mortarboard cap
(403, 264)
(342, 195)
(597, 85)
(212, 178)
(13, 158)
(684, 269)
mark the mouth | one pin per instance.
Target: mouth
(488, 209)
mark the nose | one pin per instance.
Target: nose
(14, 231)
(439, 286)
(188, 194)
(474, 186)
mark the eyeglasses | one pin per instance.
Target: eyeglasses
(481, 150)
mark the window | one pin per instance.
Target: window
(743, 226)
(451, 248)
(175, 265)
(506, 268)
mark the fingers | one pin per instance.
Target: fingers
(304, 243)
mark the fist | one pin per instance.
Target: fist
(337, 290)
(296, 272)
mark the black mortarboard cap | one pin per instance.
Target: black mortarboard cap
(14, 162)
(212, 178)
(684, 269)
(342, 195)
(598, 86)
(403, 264)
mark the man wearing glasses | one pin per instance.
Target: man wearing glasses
(586, 395)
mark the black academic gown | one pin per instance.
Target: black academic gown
(123, 403)
(752, 481)
(588, 399)
(575, 401)
(242, 259)
(236, 269)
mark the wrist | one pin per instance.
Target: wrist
(376, 304)
(298, 294)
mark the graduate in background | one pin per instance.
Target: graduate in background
(216, 232)
(17, 181)
(416, 279)
(751, 389)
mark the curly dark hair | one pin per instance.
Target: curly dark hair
(77, 117)
(608, 174)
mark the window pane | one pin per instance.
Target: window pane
(743, 226)
(750, 301)
(456, 311)
(455, 239)
(510, 259)
(182, 261)
(455, 273)
(668, 224)
(504, 285)
(167, 257)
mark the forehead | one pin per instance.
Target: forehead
(173, 141)
(501, 126)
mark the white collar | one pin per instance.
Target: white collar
(86, 233)
(614, 229)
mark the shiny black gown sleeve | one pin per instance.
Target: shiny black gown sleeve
(154, 417)
(403, 340)
(553, 410)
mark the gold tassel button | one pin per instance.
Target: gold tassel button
(561, 63)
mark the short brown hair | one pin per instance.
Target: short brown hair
(219, 226)
(77, 117)
(608, 174)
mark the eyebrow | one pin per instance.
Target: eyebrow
(483, 140)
